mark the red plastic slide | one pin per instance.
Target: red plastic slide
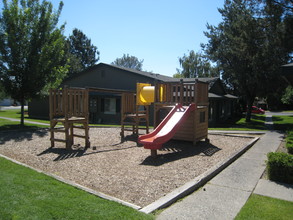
(167, 128)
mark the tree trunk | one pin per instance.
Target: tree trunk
(248, 110)
(22, 112)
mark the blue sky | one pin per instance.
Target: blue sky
(157, 31)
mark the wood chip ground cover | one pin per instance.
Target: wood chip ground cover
(120, 169)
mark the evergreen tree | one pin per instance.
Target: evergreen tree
(195, 65)
(82, 53)
(127, 61)
(249, 47)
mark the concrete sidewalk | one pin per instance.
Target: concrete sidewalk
(225, 194)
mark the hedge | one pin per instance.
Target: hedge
(289, 142)
(289, 146)
(280, 167)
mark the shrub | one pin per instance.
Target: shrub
(289, 142)
(280, 167)
(289, 146)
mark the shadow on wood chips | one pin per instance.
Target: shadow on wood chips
(176, 150)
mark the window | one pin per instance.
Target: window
(110, 106)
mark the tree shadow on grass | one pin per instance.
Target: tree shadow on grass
(177, 150)
(257, 122)
(283, 123)
(18, 133)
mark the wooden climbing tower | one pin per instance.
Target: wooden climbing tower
(69, 106)
(133, 115)
(167, 95)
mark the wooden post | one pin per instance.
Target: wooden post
(181, 92)
(196, 92)
(154, 153)
(51, 118)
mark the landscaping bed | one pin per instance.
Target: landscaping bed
(120, 169)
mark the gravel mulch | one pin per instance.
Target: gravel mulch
(123, 170)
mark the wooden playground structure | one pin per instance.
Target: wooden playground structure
(165, 97)
(133, 115)
(186, 113)
(69, 106)
(168, 94)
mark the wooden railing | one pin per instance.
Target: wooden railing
(69, 102)
(183, 93)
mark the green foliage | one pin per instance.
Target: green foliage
(32, 48)
(289, 146)
(2, 92)
(289, 142)
(287, 97)
(249, 47)
(262, 207)
(26, 194)
(280, 167)
(82, 53)
(127, 61)
(195, 65)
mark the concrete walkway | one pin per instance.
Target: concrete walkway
(226, 194)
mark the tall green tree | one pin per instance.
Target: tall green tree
(287, 97)
(249, 47)
(32, 49)
(82, 53)
(128, 61)
(2, 92)
(195, 65)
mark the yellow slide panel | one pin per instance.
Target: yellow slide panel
(145, 94)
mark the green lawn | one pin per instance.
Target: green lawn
(27, 194)
(256, 124)
(14, 125)
(15, 113)
(261, 207)
(283, 122)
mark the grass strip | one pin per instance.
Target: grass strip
(262, 207)
(6, 125)
(27, 194)
(257, 123)
(15, 114)
(283, 122)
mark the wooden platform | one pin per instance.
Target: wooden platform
(133, 117)
(69, 106)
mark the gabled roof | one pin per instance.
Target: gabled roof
(151, 75)
(155, 76)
